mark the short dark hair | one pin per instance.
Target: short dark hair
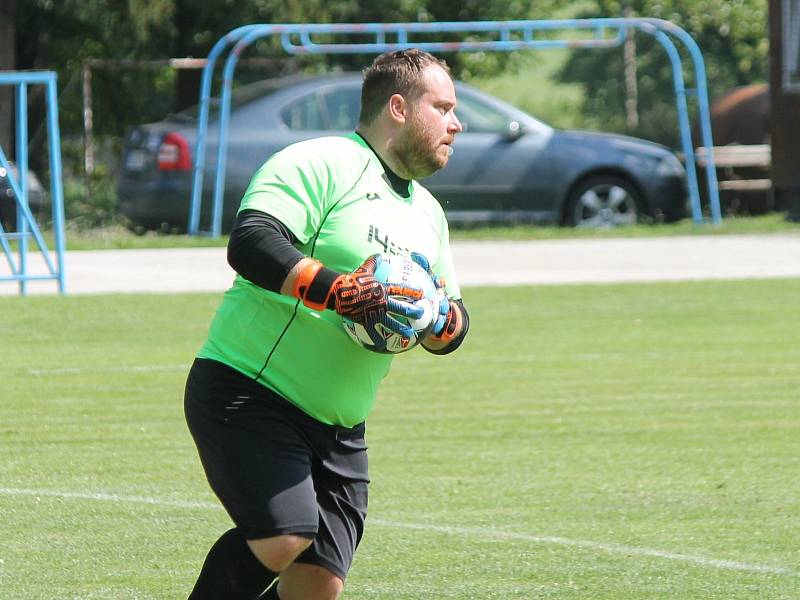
(397, 72)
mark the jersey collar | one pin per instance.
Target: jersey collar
(400, 186)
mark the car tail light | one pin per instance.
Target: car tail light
(174, 154)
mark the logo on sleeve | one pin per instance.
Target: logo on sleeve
(373, 196)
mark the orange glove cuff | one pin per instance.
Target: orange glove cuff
(315, 284)
(304, 278)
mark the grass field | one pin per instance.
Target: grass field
(118, 237)
(588, 441)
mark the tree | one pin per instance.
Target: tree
(731, 35)
(62, 35)
(7, 62)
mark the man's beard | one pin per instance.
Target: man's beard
(418, 151)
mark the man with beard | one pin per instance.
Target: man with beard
(277, 397)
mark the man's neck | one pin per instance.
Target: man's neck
(399, 184)
(380, 145)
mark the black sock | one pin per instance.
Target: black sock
(231, 571)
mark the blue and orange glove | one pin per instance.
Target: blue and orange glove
(357, 296)
(450, 321)
(444, 303)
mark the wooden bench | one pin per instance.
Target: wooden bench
(728, 159)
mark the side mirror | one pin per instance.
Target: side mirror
(514, 131)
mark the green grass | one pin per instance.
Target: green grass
(119, 238)
(773, 223)
(587, 441)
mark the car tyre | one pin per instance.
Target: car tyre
(604, 201)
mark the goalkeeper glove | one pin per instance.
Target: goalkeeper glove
(452, 321)
(357, 296)
(444, 303)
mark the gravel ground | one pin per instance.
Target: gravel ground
(478, 263)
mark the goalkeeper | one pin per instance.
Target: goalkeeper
(278, 394)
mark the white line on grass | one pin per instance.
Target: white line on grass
(606, 547)
(120, 369)
(109, 497)
(611, 548)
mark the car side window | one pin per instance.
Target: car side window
(305, 113)
(336, 110)
(343, 106)
(478, 117)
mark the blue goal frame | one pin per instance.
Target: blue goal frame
(26, 223)
(511, 35)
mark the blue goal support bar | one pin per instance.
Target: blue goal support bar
(508, 36)
(27, 226)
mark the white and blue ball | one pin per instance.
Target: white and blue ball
(403, 271)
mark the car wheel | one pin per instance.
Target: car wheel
(604, 201)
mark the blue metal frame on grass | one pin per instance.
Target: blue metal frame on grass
(26, 223)
(513, 35)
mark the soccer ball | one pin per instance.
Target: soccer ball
(403, 271)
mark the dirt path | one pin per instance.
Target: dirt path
(478, 263)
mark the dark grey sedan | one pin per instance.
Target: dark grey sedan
(506, 165)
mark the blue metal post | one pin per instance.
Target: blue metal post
(27, 225)
(704, 114)
(56, 184)
(683, 121)
(222, 130)
(202, 124)
(22, 166)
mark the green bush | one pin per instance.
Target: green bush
(86, 207)
(732, 37)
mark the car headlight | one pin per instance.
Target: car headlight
(670, 166)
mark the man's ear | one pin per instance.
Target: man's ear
(398, 108)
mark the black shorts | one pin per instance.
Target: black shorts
(275, 469)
